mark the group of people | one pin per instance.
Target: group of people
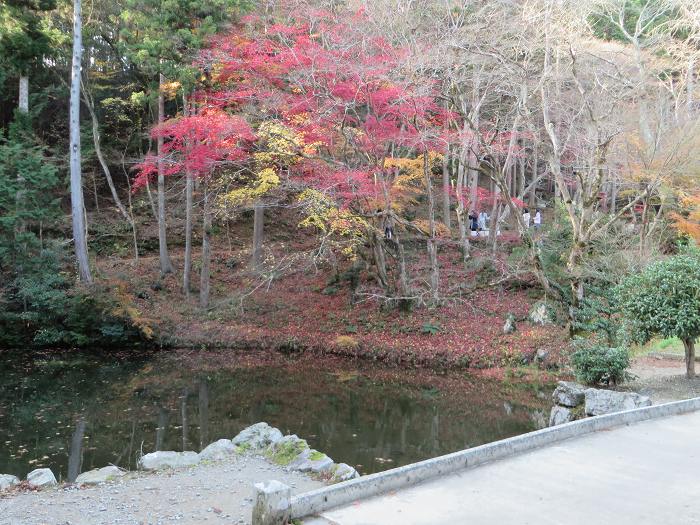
(479, 222)
(536, 219)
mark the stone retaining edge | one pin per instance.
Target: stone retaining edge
(317, 501)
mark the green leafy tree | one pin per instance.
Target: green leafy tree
(664, 300)
(24, 167)
(24, 41)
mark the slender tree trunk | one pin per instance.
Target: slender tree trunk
(432, 240)
(380, 261)
(189, 185)
(446, 190)
(166, 265)
(473, 177)
(258, 226)
(690, 86)
(461, 210)
(689, 345)
(105, 167)
(24, 94)
(184, 418)
(206, 249)
(161, 428)
(23, 107)
(533, 186)
(75, 454)
(521, 177)
(76, 182)
(203, 414)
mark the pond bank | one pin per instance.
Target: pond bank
(219, 492)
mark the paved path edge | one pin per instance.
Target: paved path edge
(317, 501)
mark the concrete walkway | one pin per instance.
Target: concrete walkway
(646, 473)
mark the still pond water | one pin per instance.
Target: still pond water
(75, 412)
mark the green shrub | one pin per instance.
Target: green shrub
(664, 300)
(594, 364)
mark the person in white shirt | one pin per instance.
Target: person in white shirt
(526, 218)
(537, 221)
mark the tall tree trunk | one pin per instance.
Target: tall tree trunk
(206, 249)
(432, 240)
(184, 418)
(461, 209)
(473, 177)
(258, 226)
(24, 94)
(690, 86)
(495, 217)
(203, 413)
(689, 346)
(166, 265)
(75, 454)
(23, 107)
(446, 190)
(161, 428)
(521, 178)
(189, 185)
(535, 164)
(76, 182)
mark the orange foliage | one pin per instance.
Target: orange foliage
(690, 223)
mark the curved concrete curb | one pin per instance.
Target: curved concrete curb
(346, 492)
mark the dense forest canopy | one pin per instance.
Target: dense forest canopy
(396, 137)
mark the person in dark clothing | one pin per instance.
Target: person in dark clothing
(473, 221)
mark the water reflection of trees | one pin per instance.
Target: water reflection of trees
(357, 421)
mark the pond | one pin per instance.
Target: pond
(78, 411)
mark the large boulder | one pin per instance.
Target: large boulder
(569, 394)
(342, 472)
(167, 459)
(221, 449)
(257, 437)
(542, 313)
(99, 475)
(41, 477)
(560, 415)
(599, 402)
(7, 481)
(310, 460)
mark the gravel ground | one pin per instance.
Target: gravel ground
(214, 493)
(662, 379)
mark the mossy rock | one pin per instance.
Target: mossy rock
(286, 450)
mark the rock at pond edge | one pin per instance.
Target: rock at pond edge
(7, 481)
(569, 394)
(599, 402)
(257, 437)
(164, 459)
(99, 475)
(221, 449)
(41, 477)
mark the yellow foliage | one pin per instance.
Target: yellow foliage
(408, 182)
(170, 89)
(266, 179)
(125, 308)
(424, 226)
(324, 215)
(346, 342)
(279, 145)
